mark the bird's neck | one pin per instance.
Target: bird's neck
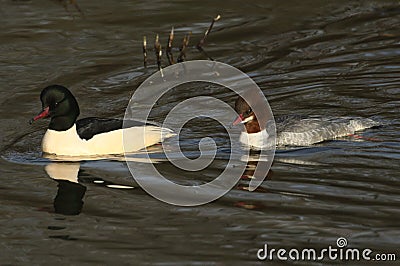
(253, 126)
(62, 123)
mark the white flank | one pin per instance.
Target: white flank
(69, 143)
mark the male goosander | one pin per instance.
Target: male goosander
(295, 130)
(67, 136)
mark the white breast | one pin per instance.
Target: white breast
(256, 140)
(70, 144)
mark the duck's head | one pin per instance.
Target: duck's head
(247, 115)
(245, 112)
(60, 106)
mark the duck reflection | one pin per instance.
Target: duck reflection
(71, 189)
(253, 160)
(70, 193)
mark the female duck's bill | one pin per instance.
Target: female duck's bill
(68, 136)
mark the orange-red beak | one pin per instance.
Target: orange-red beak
(238, 120)
(43, 114)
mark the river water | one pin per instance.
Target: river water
(324, 58)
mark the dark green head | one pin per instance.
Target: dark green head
(60, 105)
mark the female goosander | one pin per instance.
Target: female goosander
(295, 130)
(67, 136)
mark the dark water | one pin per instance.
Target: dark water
(336, 59)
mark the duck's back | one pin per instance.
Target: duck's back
(303, 131)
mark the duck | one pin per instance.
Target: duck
(293, 130)
(91, 136)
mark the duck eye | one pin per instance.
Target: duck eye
(248, 111)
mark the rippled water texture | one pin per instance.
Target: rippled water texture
(309, 58)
